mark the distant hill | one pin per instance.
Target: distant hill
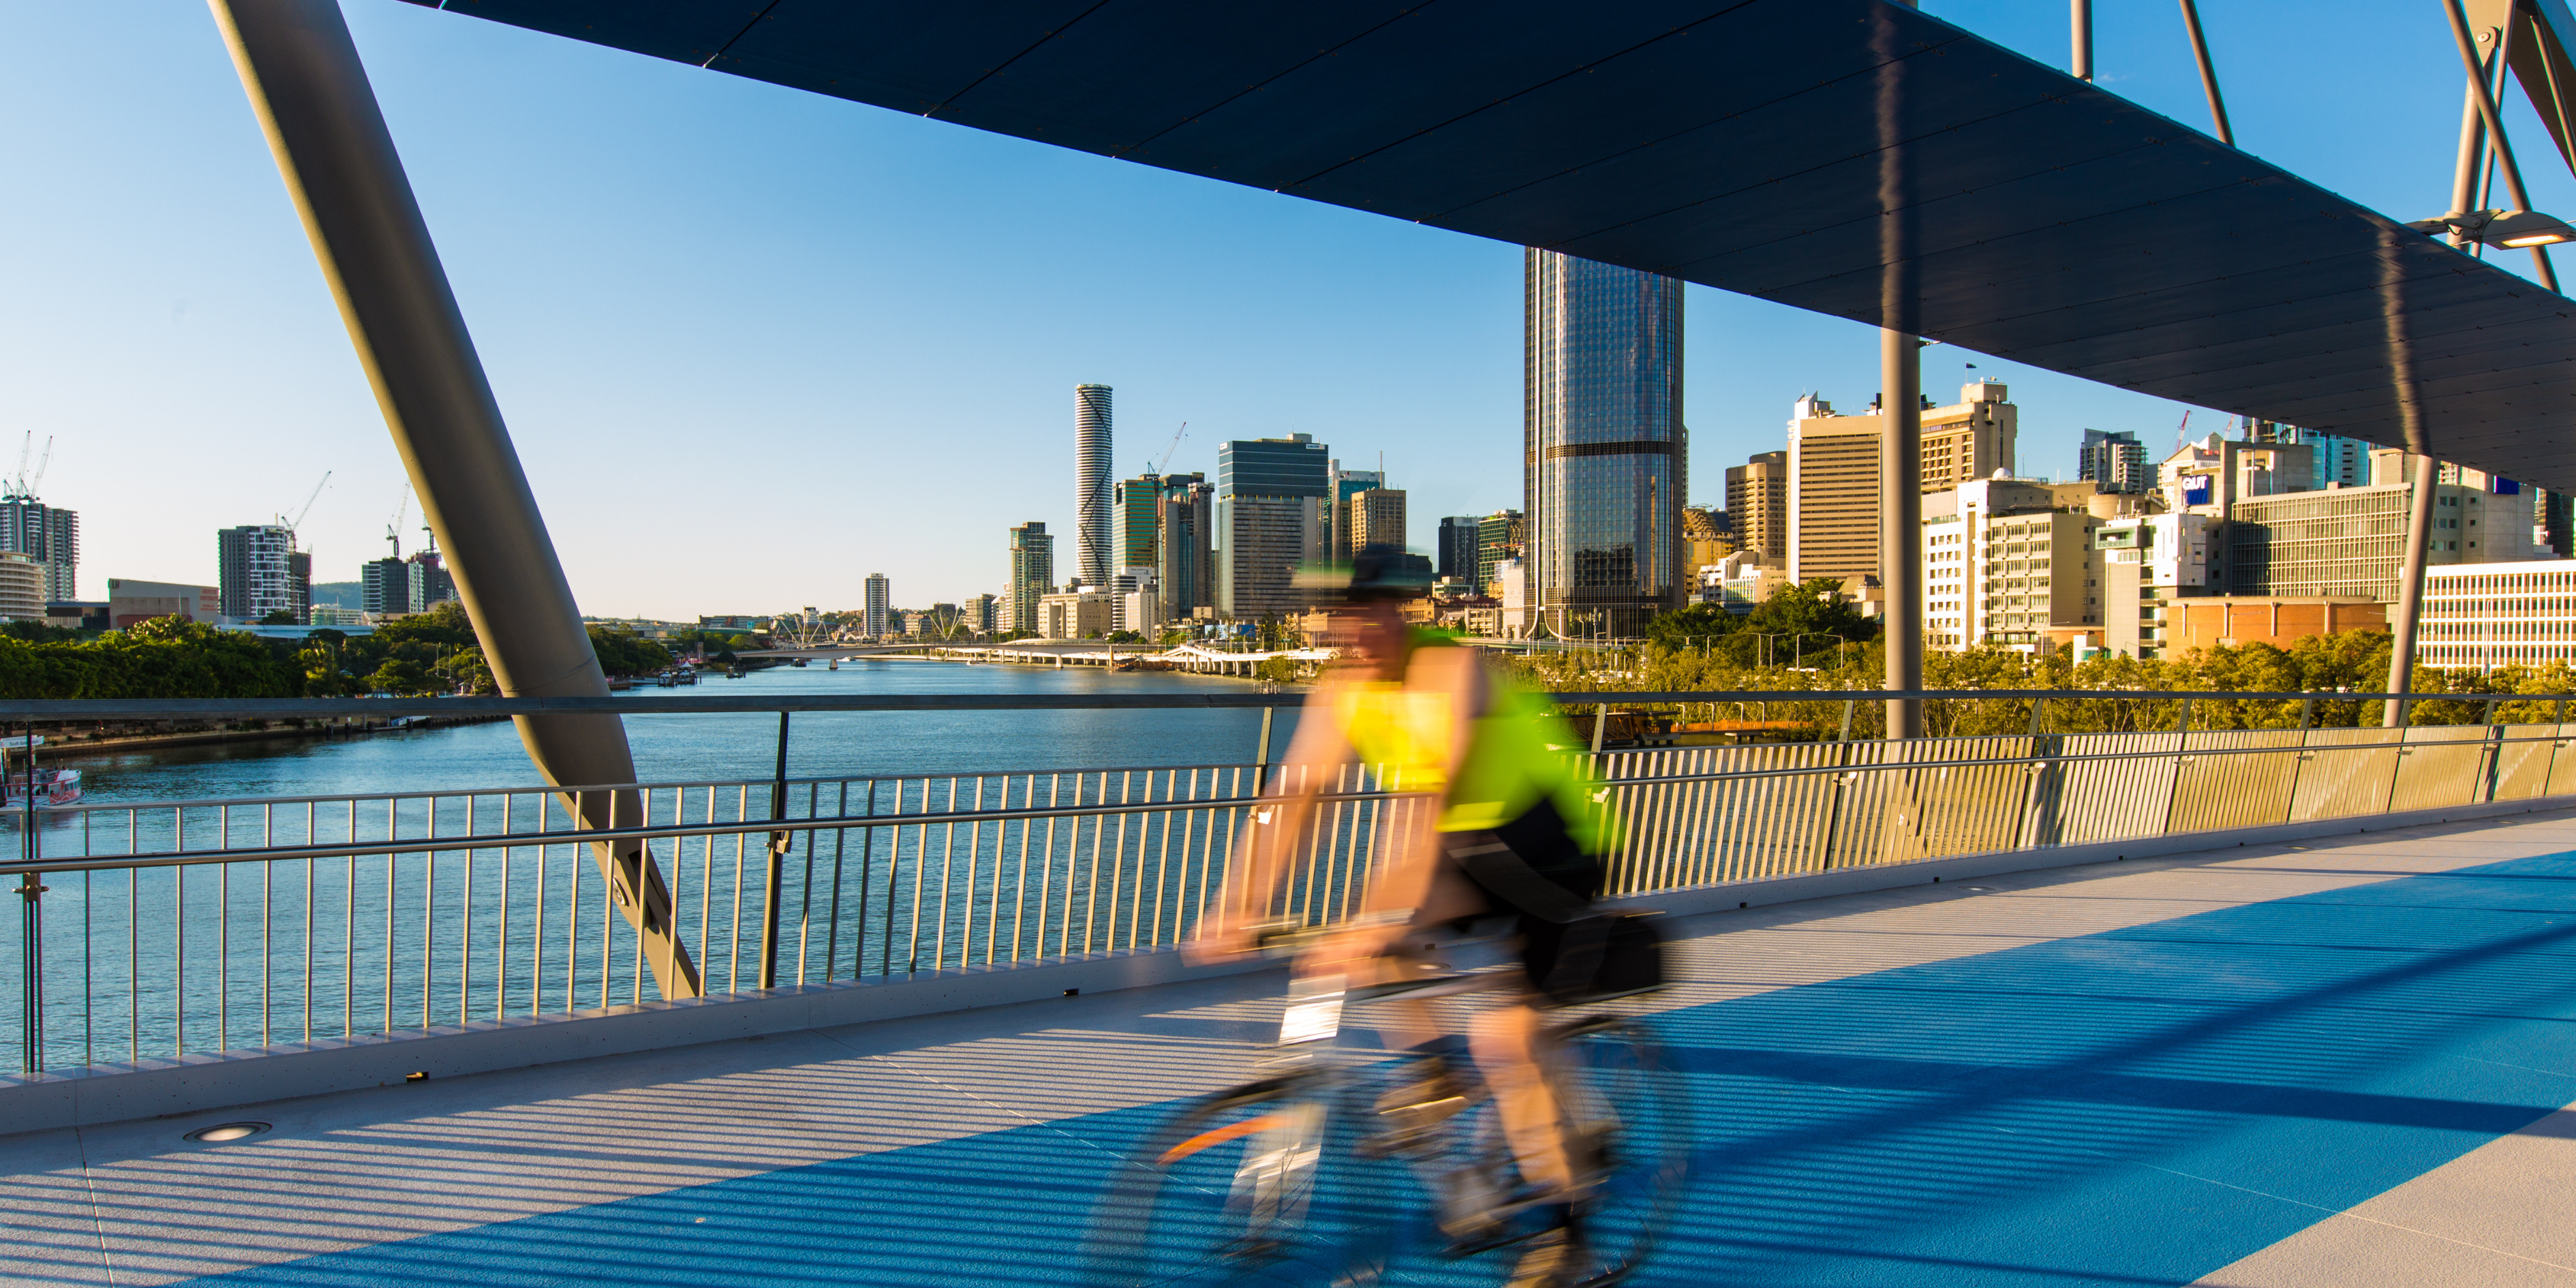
(340, 594)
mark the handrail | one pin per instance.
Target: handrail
(836, 822)
(16, 710)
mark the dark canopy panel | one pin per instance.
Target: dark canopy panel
(1848, 156)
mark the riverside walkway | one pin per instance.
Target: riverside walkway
(2346, 1062)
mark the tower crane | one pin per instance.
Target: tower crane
(1174, 449)
(393, 530)
(22, 486)
(292, 525)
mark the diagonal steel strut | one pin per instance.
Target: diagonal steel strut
(314, 103)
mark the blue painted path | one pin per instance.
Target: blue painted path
(2142, 1106)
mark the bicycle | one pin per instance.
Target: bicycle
(1309, 1175)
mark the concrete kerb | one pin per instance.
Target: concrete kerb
(198, 1083)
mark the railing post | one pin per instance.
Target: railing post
(2494, 752)
(1261, 754)
(2042, 778)
(2182, 741)
(31, 930)
(778, 845)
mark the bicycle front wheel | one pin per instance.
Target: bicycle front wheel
(1259, 1185)
(1634, 1116)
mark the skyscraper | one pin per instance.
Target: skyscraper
(1456, 556)
(1032, 575)
(1138, 507)
(254, 573)
(1094, 526)
(880, 597)
(1373, 518)
(1604, 448)
(1757, 500)
(1833, 472)
(390, 587)
(1501, 537)
(1184, 545)
(1348, 484)
(47, 534)
(2116, 460)
(1273, 513)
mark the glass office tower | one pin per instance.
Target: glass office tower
(1094, 526)
(1604, 447)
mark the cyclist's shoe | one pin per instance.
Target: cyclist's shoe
(1553, 1258)
(1413, 1111)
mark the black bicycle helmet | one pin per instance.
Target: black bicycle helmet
(1377, 573)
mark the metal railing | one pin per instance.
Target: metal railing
(172, 927)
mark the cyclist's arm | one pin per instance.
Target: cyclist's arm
(1316, 751)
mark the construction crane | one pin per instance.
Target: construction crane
(393, 530)
(1172, 450)
(291, 525)
(2182, 433)
(22, 487)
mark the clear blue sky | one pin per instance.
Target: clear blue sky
(756, 344)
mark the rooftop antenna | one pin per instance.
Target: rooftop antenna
(291, 525)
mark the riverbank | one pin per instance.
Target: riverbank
(59, 746)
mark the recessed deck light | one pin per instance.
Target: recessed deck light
(222, 1132)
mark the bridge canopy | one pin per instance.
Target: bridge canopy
(1852, 157)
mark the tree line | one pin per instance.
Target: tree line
(168, 657)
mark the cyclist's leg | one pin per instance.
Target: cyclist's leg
(1506, 1042)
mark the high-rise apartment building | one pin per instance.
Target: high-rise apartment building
(1708, 537)
(50, 535)
(1094, 524)
(878, 601)
(1373, 518)
(391, 587)
(1833, 472)
(979, 613)
(1138, 507)
(1185, 545)
(1757, 502)
(1604, 450)
(1032, 575)
(1273, 515)
(2115, 460)
(1501, 537)
(1456, 555)
(256, 575)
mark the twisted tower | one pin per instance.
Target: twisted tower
(1092, 526)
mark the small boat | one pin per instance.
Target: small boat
(61, 787)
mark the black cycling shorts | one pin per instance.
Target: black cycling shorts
(1538, 841)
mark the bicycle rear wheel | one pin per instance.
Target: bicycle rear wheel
(1634, 1112)
(1260, 1185)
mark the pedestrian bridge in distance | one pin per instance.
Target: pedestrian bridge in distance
(2185, 1005)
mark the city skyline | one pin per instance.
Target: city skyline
(169, 332)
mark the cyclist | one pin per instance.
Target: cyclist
(1515, 833)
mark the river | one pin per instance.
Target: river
(707, 748)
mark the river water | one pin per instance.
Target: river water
(157, 960)
(710, 748)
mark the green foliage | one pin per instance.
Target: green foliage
(1692, 627)
(36, 632)
(167, 657)
(281, 617)
(1125, 637)
(626, 653)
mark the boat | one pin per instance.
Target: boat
(60, 787)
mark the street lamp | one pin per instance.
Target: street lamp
(2513, 229)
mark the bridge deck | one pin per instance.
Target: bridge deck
(2345, 1064)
